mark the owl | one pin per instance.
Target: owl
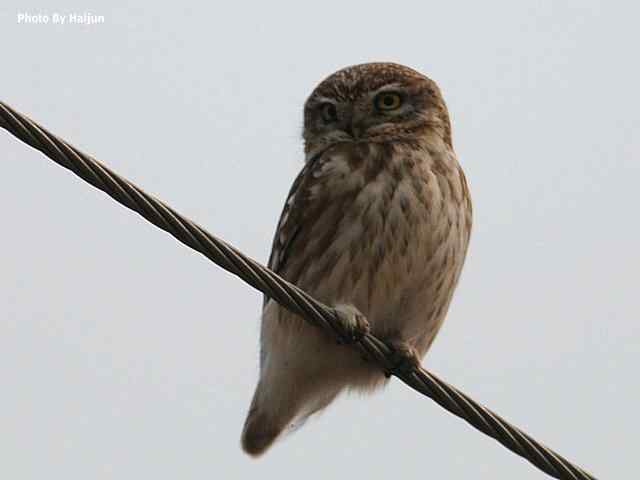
(376, 225)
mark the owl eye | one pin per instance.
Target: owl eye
(387, 101)
(329, 112)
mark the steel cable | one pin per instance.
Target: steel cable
(286, 294)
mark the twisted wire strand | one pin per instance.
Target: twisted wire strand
(285, 293)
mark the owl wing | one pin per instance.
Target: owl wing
(291, 219)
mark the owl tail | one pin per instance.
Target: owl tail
(272, 416)
(265, 422)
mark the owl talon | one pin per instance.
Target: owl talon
(404, 360)
(353, 323)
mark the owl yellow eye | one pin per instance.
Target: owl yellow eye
(387, 101)
(329, 112)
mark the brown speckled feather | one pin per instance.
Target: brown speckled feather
(377, 222)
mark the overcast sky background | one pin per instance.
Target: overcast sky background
(123, 354)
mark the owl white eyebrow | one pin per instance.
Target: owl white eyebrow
(325, 100)
(390, 87)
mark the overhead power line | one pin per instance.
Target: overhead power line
(286, 294)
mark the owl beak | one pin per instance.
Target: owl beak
(355, 131)
(354, 125)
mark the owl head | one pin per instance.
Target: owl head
(375, 102)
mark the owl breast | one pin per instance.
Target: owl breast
(386, 230)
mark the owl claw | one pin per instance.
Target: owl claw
(405, 358)
(354, 324)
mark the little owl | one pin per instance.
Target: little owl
(377, 225)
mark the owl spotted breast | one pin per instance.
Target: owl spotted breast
(376, 224)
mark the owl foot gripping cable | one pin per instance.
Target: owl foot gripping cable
(378, 222)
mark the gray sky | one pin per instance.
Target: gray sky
(125, 355)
